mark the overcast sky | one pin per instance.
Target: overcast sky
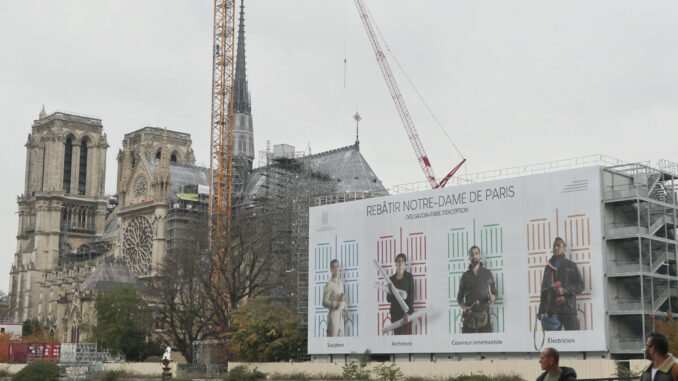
(513, 83)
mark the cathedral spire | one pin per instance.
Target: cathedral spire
(241, 96)
(357, 119)
(42, 113)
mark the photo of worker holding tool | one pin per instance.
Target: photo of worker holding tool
(477, 291)
(399, 289)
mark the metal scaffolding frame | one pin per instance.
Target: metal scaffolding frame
(292, 184)
(641, 248)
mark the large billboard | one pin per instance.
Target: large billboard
(504, 266)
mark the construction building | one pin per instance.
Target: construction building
(640, 235)
(287, 184)
(640, 277)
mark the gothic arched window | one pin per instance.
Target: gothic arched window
(82, 176)
(137, 245)
(68, 159)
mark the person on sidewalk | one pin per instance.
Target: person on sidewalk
(663, 363)
(552, 371)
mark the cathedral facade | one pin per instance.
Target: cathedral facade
(74, 241)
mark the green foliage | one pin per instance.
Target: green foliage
(484, 377)
(357, 370)
(263, 330)
(300, 376)
(243, 373)
(5, 373)
(624, 370)
(124, 322)
(385, 372)
(111, 375)
(30, 327)
(43, 370)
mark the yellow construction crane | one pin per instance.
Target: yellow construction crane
(221, 140)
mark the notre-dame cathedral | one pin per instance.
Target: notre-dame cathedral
(74, 241)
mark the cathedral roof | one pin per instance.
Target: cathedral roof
(344, 166)
(183, 174)
(111, 229)
(110, 274)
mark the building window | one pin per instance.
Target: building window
(173, 158)
(68, 158)
(82, 179)
(137, 245)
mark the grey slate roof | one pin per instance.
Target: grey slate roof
(184, 174)
(110, 274)
(344, 166)
(111, 227)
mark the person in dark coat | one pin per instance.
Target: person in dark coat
(548, 360)
(561, 283)
(663, 366)
(477, 290)
(402, 280)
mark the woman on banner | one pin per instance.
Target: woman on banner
(334, 301)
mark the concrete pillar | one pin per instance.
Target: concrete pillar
(159, 241)
(100, 219)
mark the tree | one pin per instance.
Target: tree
(30, 327)
(182, 308)
(124, 322)
(190, 304)
(264, 330)
(33, 332)
(251, 270)
(44, 370)
(4, 304)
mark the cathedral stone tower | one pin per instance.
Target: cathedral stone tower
(63, 207)
(243, 135)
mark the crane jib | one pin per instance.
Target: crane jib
(400, 102)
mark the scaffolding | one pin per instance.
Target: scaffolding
(83, 361)
(291, 183)
(209, 360)
(641, 246)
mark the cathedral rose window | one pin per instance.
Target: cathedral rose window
(137, 245)
(140, 186)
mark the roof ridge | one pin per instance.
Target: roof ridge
(346, 148)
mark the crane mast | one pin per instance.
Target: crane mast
(405, 117)
(221, 136)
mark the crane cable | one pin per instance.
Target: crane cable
(388, 48)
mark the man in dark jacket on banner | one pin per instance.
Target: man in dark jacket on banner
(663, 366)
(476, 291)
(561, 283)
(552, 371)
